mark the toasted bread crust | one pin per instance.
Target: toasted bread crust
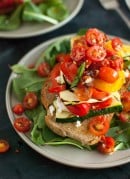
(79, 133)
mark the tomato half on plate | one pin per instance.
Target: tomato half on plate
(106, 145)
(22, 124)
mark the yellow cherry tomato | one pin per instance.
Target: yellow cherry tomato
(110, 87)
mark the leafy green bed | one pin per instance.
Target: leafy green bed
(28, 80)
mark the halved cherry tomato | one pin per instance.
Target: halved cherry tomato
(106, 145)
(116, 62)
(18, 109)
(43, 69)
(101, 105)
(30, 100)
(117, 43)
(124, 116)
(108, 74)
(97, 94)
(94, 36)
(78, 53)
(79, 109)
(55, 86)
(125, 99)
(96, 53)
(4, 146)
(83, 93)
(61, 56)
(98, 125)
(69, 69)
(22, 124)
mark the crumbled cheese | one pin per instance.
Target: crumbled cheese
(60, 105)
(78, 123)
(88, 80)
(60, 78)
(127, 73)
(51, 109)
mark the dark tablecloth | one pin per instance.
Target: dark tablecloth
(27, 163)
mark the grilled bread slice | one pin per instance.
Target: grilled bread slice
(75, 130)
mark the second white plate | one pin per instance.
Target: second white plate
(30, 30)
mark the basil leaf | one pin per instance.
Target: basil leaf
(79, 75)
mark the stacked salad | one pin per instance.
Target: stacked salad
(89, 80)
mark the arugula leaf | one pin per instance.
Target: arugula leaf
(27, 81)
(49, 55)
(12, 22)
(19, 69)
(79, 75)
(31, 12)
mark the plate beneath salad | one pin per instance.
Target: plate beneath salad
(64, 154)
(34, 29)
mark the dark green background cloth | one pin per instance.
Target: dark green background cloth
(27, 163)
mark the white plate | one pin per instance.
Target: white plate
(67, 155)
(128, 3)
(30, 30)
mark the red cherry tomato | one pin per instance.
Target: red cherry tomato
(106, 145)
(101, 105)
(78, 53)
(4, 146)
(94, 36)
(18, 109)
(108, 74)
(69, 69)
(124, 116)
(98, 125)
(116, 62)
(30, 100)
(79, 109)
(22, 124)
(55, 86)
(61, 56)
(43, 69)
(96, 53)
(117, 43)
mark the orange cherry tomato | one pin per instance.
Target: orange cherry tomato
(44, 69)
(94, 36)
(96, 53)
(22, 124)
(4, 146)
(108, 74)
(18, 109)
(116, 43)
(97, 94)
(30, 100)
(106, 145)
(83, 93)
(98, 125)
(79, 109)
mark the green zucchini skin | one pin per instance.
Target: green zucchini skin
(92, 113)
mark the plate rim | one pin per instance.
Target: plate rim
(43, 150)
(7, 34)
